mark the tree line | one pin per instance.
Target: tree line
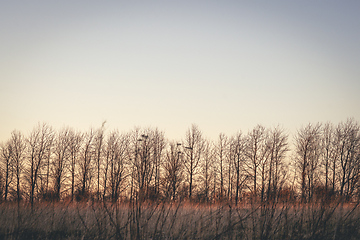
(321, 163)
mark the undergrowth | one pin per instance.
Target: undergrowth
(178, 221)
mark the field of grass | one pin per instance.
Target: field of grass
(178, 221)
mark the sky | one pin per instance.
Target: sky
(223, 65)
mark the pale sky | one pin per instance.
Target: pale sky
(223, 65)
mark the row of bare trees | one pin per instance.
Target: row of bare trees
(323, 161)
(328, 160)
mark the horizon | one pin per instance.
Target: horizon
(213, 138)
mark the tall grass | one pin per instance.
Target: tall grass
(179, 220)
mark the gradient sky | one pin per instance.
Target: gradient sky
(223, 65)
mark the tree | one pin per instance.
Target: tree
(348, 141)
(143, 162)
(44, 188)
(221, 151)
(98, 152)
(18, 150)
(61, 157)
(277, 147)
(86, 163)
(194, 145)
(207, 170)
(116, 159)
(173, 170)
(75, 143)
(39, 147)
(158, 145)
(6, 166)
(238, 155)
(328, 155)
(257, 153)
(142, 165)
(307, 154)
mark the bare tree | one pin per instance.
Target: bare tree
(348, 141)
(143, 162)
(143, 166)
(194, 145)
(61, 157)
(238, 155)
(328, 155)
(207, 170)
(222, 149)
(307, 151)
(18, 150)
(45, 183)
(173, 170)
(108, 152)
(1, 184)
(277, 147)
(158, 145)
(98, 148)
(133, 155)
(39, 147)
(257, 153)
(116, 160)
(230, 156)
(86, 163)
(6, 167)
(75, 143)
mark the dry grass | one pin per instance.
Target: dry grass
(178, 221)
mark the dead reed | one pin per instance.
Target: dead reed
(178, 221)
